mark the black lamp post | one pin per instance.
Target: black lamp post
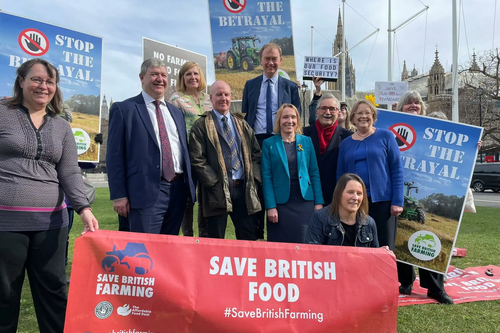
(304, 91)
(480, 92)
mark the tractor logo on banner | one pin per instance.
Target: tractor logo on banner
(134, 257)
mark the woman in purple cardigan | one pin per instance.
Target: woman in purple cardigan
(373, 154)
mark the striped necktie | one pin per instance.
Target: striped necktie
(235, 161)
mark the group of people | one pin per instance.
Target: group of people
(251, 165)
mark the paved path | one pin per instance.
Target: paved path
(487, 199)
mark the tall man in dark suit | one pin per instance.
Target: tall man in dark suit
(226, 160)
(326, 136)
(148, 165)
(262, 97)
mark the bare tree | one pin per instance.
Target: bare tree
(480, 82)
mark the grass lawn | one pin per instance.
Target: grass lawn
(479, 234)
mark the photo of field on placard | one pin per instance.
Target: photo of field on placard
(90, 124)
(237, 78)
(436, 213)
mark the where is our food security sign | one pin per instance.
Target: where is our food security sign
(438, 158)
(325, 67)
(173, 57)
(239, 30)
(77, 57)
(130, 282)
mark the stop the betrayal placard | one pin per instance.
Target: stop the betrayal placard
(438, 159)
(77, 57)
(156, 283)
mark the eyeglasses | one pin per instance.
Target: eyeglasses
(39, 81)
(361, 113)
(328, 108)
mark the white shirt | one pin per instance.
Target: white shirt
(260, 125)
(173, 134)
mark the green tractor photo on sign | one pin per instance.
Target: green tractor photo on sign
(412, 210)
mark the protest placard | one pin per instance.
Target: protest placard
(239, 30)
(173, 57)
(325, 67)
(78, 58)
(389, 92)
(438, 158)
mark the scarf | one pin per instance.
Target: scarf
(325, 135)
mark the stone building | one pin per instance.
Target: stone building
(350, 75)
(405, 76)
(435, 87)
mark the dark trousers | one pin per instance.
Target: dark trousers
(123, 224)
(260, 217)
(41, 254)
(428, 280)
(165, 216)
(187, 221)
(71, 217)
(386, 223)
(244, 224)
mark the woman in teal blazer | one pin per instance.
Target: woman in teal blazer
(290, 179)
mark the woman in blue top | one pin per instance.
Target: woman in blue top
(346, 221)
(373, 154)
(290, 179)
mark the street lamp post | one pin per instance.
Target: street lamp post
(480, 92)
(304, 91)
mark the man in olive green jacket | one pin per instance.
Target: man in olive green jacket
(225, 157)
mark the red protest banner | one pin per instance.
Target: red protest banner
(463, 285)
(128, 282)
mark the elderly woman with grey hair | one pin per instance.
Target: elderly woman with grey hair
(411, 102)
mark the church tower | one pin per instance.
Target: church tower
(474, 66)
(350, 75)
(404, 75)
(435, 84)
(414, 71)
(104, 108)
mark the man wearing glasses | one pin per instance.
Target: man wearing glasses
(326, 136)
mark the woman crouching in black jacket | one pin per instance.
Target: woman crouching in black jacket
(345, 221)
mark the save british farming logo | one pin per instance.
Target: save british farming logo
(424, 245)
(125, 269)
(134, 256)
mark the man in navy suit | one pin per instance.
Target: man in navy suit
(262, 97)
(326, 136)
(149, 171)
(259, 109)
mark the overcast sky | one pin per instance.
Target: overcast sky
(122, 24)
